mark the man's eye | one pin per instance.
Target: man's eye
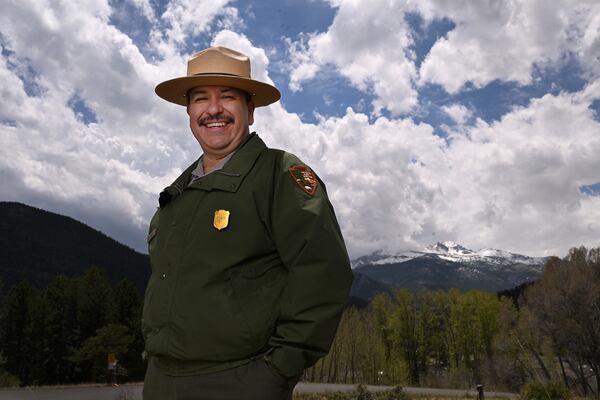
(197, 99)
(228, 97)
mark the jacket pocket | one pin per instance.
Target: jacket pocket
(257, 296)
(266, 275)
(151, 239)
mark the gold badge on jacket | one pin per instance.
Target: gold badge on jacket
(221, 219)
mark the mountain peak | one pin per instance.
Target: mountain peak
(448, 247)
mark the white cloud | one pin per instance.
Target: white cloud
(188, 18)
(368, 43)
(145, 8)
(587, 47)
(371, 171)
(505, 39)
(259, 62)
(515, 182)
(458, 112)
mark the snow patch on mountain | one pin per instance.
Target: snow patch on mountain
(397, 258)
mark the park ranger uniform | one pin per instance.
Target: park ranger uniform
(249, 277)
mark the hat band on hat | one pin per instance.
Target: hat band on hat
(217, 73)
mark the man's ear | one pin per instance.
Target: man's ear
(251, 108)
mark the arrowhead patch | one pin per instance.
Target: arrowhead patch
(305, 178)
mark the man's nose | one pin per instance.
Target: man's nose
(214, 106)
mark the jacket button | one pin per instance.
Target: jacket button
(173, 223)
(163, 276)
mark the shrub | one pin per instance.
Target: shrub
(8, 380)
(360, 393)
(544, 391)
(395, 394)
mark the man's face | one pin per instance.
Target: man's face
(219, 118)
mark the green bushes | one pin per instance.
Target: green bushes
(544, 391)
(8, 380)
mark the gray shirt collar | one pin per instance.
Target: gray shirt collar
(198, 172)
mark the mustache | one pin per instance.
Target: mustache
(213, 118)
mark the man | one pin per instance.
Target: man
(249, 269)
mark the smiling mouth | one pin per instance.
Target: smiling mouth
(215, 124)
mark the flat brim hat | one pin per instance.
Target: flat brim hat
(218, 66)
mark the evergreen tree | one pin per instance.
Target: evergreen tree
(21, 344)
(112, 338)
(95, 302)
(128, 312)
(63, 328)
(126, 303)
(95, 310)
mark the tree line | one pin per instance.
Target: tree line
(550, 334)
(64, 332)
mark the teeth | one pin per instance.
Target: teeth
(215, 124)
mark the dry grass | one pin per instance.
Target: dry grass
(360, 393)
(353, 396)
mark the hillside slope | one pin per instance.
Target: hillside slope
(38, 245)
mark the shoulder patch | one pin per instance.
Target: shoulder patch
(305, 178)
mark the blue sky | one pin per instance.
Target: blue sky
(430, 120)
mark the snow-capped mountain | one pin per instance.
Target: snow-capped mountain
(453, 252)
(448, 264)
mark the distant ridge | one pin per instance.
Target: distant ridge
(37, 245)
(366, 288)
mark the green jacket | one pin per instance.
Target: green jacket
(274, 278)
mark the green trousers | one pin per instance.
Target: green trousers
(255, 380)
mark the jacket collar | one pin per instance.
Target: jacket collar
(228, 179)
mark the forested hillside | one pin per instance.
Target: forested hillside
(37, 245)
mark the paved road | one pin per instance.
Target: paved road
(134, 392)
(124, 392)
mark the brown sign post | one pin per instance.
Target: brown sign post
(112, 366)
